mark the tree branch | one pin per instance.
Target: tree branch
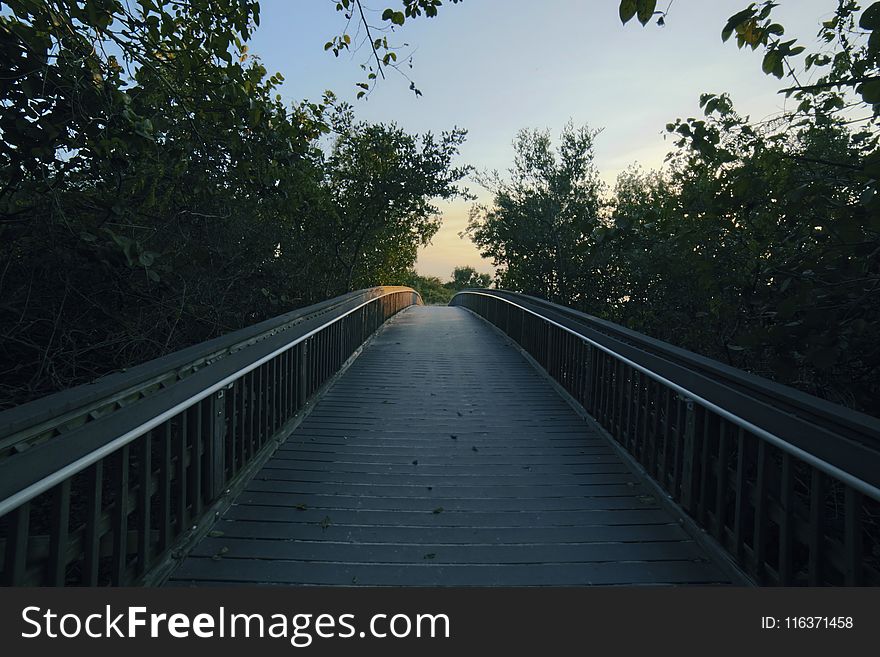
(370, 38)
(828, 85)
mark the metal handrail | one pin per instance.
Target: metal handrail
(43, 484)
(787, 484)
(114, 499)
(867, 488)
(32, 421)
(851, 423)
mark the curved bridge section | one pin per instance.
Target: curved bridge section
(502, 440)
(105, 483)
(786, 483)
(441, 457)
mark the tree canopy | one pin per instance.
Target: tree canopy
(758, 244)
(155, 191)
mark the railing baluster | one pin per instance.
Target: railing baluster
(15, 567)
(658, 448)
(260, 406)
(853, 536)
(166, 472)
(197, 425)
(592, 405)
(92, 531)
(58, 534)
(581, 372)
(644, 447)
(817, 511)
(216, 460)
(253, 402)
(741, 495)
(302, 376)
(678, 449)
(627, 438)
(786, 502)
(667, 438)
(637, 413)
(235, 464)
(692, 411)
(120, 518)
(182, 484)
(276, 395)
(145, 483)
(288, 377)
(703, 443)
(721, 482)
(617, 396)
(760, 533)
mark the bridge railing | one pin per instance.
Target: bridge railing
(787, 483)
(101, 484)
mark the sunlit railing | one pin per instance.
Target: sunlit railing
(788, 484)
(101, 484)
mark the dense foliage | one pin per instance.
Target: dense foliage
(155, 191)
(435, 291)
(539, 230)
(468, 277)
(758, 244)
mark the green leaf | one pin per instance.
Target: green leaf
(734, 21)
(870, 91)
(628, 9)
(870, 18)
(387, 14)
(646, 10)
(398, 18)
(772, 64)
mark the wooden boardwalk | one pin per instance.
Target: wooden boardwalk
(441, 457)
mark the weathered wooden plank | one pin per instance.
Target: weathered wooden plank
(429, 574)
(451, 535)
(548, 505)
(534, 553)
(449, 518)
(627, 487)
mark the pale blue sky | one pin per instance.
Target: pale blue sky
(496, 66)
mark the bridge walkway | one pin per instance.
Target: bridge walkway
(442, 457)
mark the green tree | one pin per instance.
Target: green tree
(468, 277)
(155, 191)
(794, 216)
(432, 289)
(542, 213)
(382, 181)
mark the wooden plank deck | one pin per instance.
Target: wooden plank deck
(441, 457)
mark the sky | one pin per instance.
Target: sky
(495, 67)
